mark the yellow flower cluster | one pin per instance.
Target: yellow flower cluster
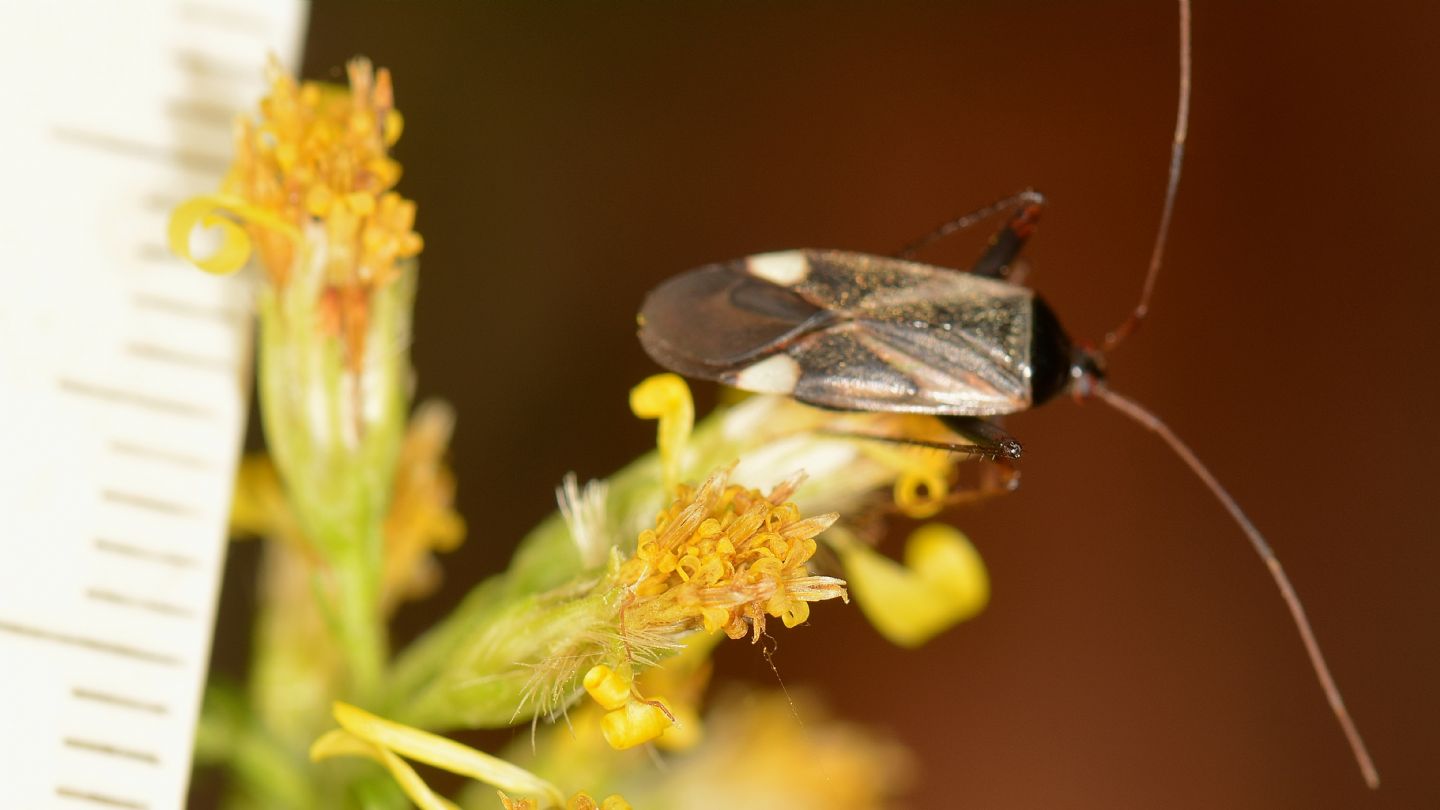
(318, 155)
(725, 557)
(310, 187)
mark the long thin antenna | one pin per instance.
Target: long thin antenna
(1152, 423)
(1177, 159)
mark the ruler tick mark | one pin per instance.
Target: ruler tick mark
(209, 67)
(98, 798)
(96, 696)
(117, 145)
(147, 554)
(147, 503)
(165, 354)
(160, 201)
(91, 644)
(136, 398)
(138, 603)
(160, 454)
(155, 253)
(147, 757)
(177, 307)
(215, 116)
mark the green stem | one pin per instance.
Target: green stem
(361, 629)
(264, 770)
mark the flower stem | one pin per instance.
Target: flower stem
(361, 629)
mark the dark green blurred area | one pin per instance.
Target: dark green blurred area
(566, 157)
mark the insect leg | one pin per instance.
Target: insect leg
(1017, 272)
(1007, 242)
(984, 439)
(1004, 245)
(997, 477)
(992, 439)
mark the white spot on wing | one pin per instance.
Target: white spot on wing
(773, 375)
(786, 268)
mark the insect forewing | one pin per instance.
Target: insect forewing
(849, 331)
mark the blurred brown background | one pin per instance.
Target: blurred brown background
(567, 157)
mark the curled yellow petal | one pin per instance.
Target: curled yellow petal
(942, 583)
(924, 481)
(234, 248)
(446, 754)
(341, 743)
(607, 687)
(638, 722)
(666, 397)
(205, 212)
(920, 492)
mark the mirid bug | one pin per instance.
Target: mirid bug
(852, 331)
(856, 332)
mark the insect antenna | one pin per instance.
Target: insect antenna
(1177, 159)
(1152, 423)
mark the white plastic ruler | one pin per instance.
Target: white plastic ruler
(123, 378)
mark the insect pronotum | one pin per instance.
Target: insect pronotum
(853, 331)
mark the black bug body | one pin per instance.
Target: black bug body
(852, 331)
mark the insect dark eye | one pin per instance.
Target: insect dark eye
(720, 316)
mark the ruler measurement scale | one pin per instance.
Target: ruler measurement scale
(122, 386)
